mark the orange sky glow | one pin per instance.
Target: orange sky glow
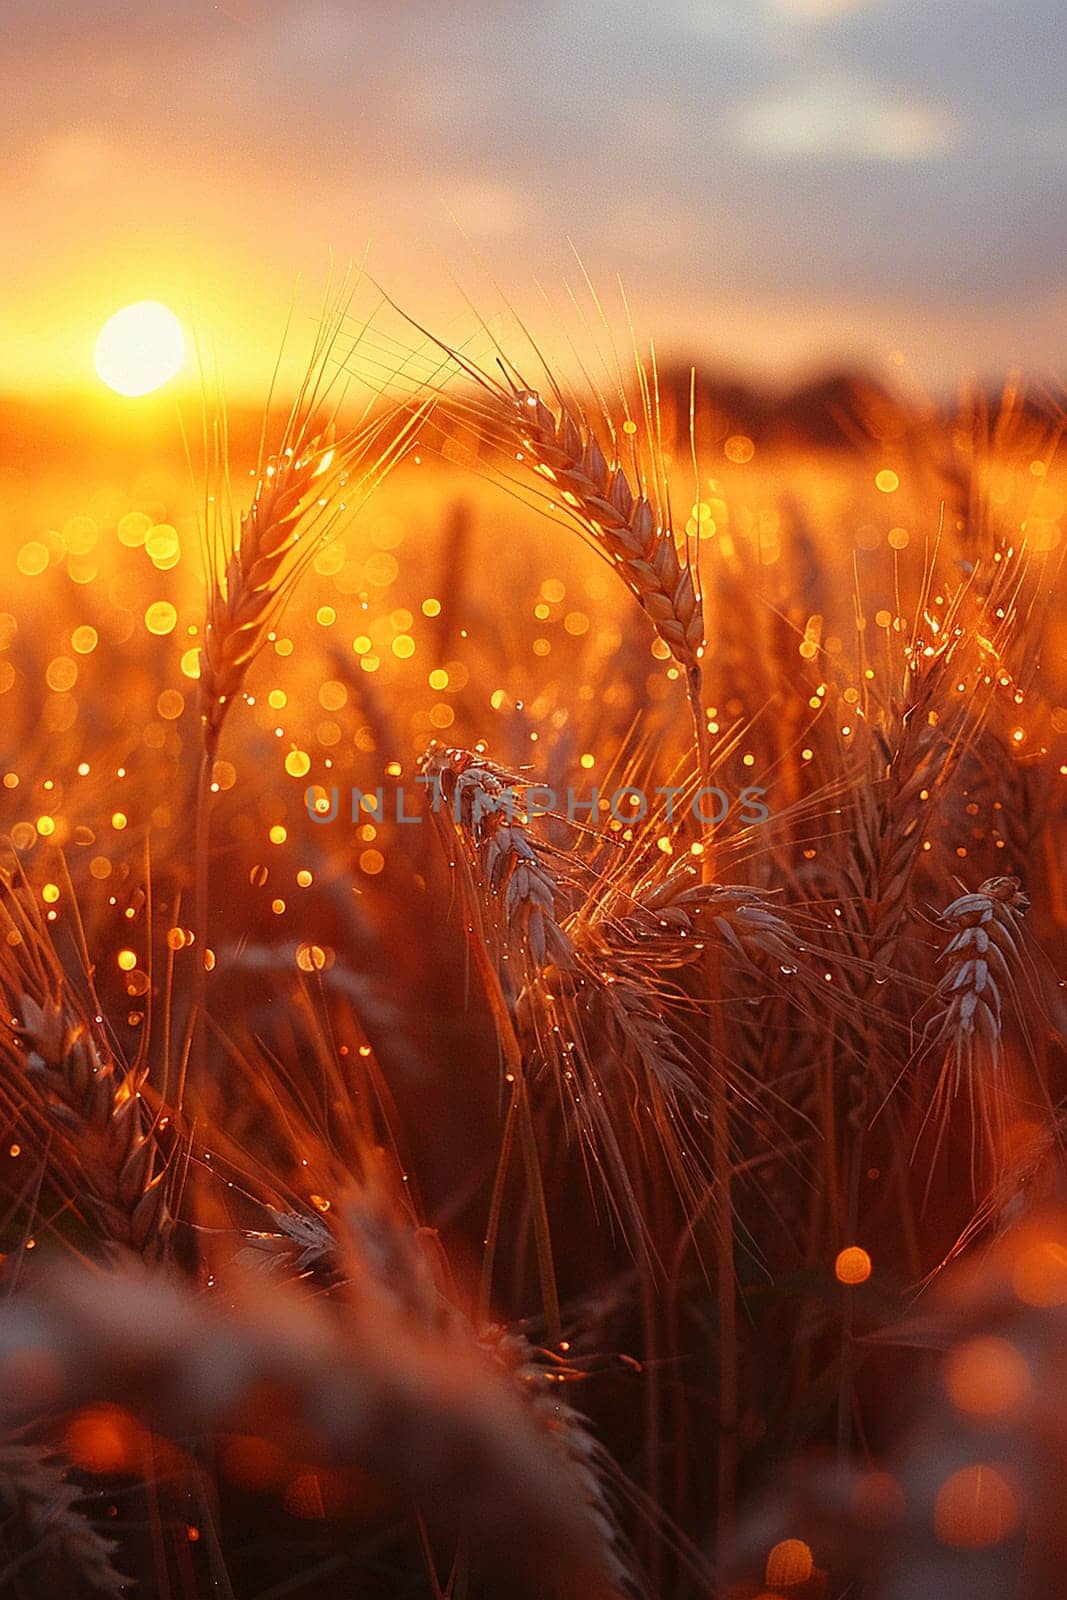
(781, 185)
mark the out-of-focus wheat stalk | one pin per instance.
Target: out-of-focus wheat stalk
(543, 1381)
(432, 1417)
(58, 1543)
(374, 1236)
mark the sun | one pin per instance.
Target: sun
(140, 348)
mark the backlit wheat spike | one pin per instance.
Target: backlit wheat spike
(485, 804)
(609, 1029)
(978, 958)
(924, 742)
(624, 524)
(671, 917)
(915, 742)
(967, 1021)
(57, 1057)
(96, 1108)
(603, 1032)
(628, 524)
(629, 1047)
(244, 600)
(303, 494)
(51, 1541)
(304, 490)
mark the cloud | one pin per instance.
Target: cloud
(843, 120)
(483, 210)
(819, 10)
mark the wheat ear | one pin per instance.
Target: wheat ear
(244, 596)
(966, 1027)
(501, 859)
(670, 917)
(915, 760)
(977, 963)
(96, 1107)
(40, 1512)
(623, 523)
(383, 1247)
(512, 868)
(303, 492)
(627, 526)
(607, 1026)
(53, 1050)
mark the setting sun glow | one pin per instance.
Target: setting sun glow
(140, 348)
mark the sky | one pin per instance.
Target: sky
(781, 185)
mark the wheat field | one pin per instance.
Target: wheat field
(531, 993)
